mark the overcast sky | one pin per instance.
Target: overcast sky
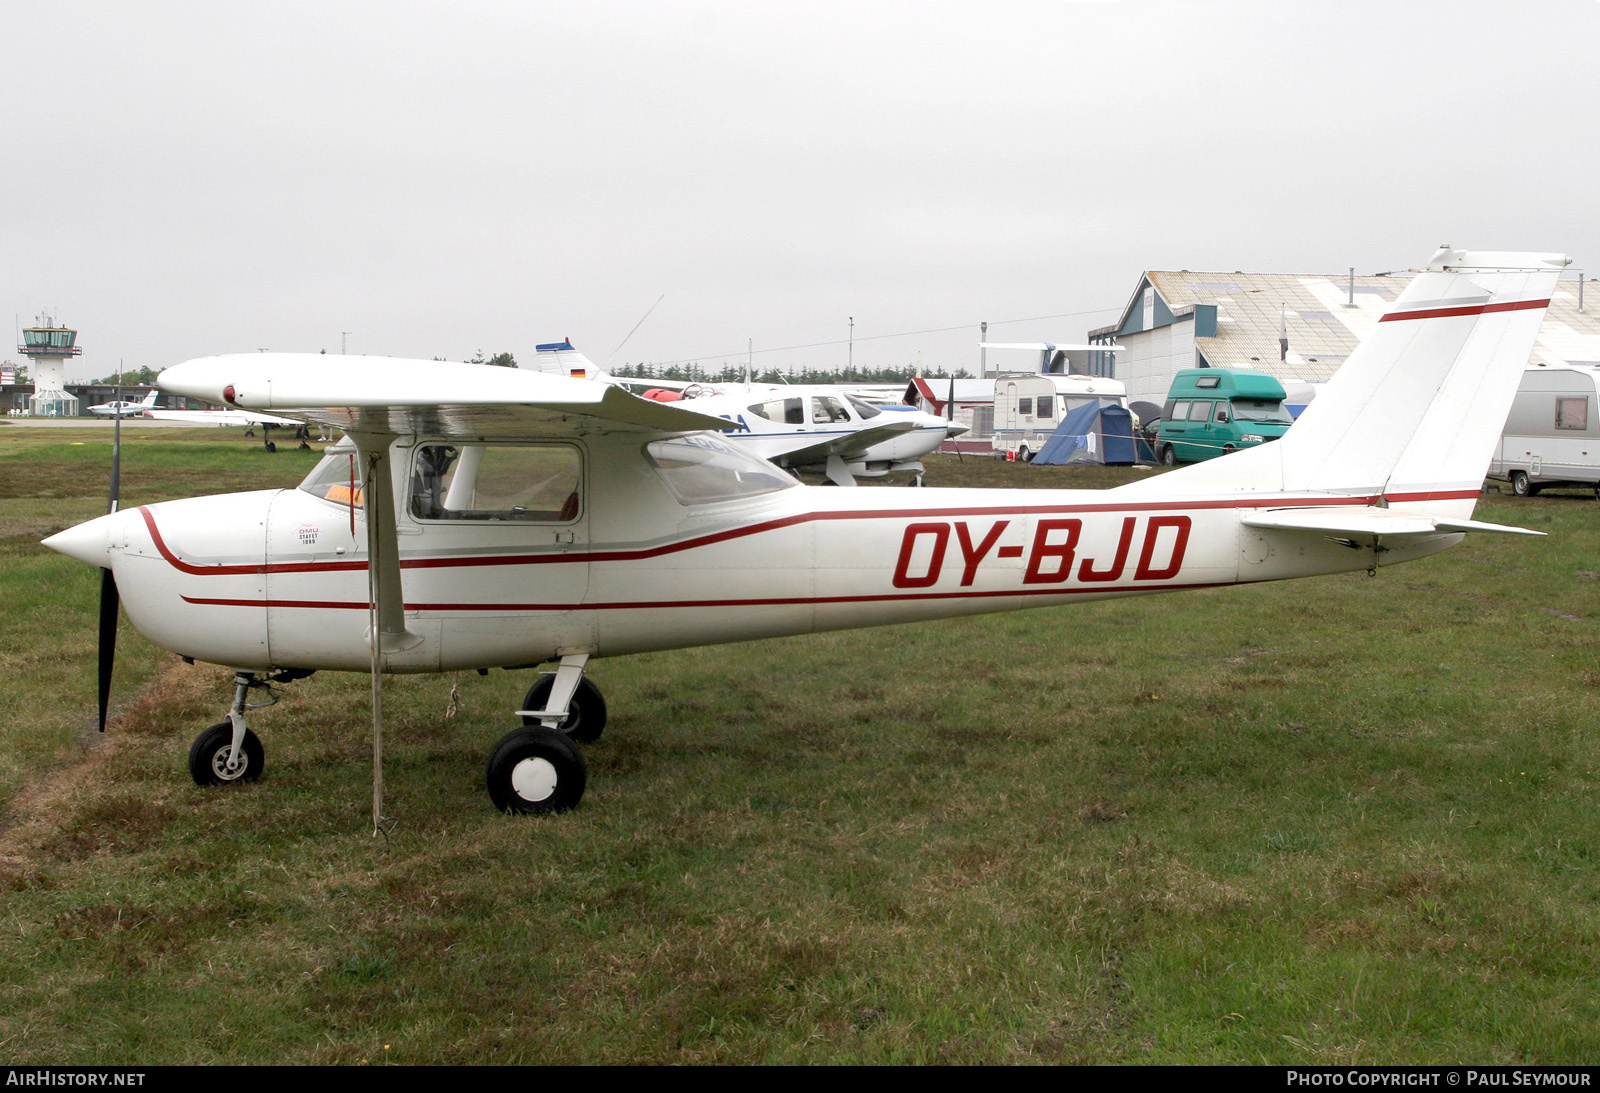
(185, 179)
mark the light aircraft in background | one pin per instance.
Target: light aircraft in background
(125, 408)
(488, 517)
(250, 419)
(823, 428)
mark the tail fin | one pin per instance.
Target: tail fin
(560, 359)
(150, 397)
(1414, 414)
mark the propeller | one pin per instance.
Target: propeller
(108, 584)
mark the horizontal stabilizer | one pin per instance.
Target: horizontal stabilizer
(1355, 522)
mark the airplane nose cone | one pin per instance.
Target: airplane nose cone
(953, 430)
(88, 542)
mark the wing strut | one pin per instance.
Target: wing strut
(386, 605)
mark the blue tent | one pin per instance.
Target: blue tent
(1096, 432)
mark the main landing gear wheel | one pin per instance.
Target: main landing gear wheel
(586, 713)
(536, 770)
(208, 757)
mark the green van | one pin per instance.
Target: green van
(1213, 411)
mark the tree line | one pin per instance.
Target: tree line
(694, 372)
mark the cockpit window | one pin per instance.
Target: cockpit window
(527, 483)
(863, 410)
(337, 478)
(826, 410)
(789, 411)
(701, 467)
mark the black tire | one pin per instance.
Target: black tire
(1169, 458)
(1521, 486)
(209, 752)
(586, 713)
(272, 446)
(535, 771)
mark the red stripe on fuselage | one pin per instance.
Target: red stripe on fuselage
(1469, 309)
(1261, 502)
(797, 601)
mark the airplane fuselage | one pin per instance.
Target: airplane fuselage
(786, 424)
(278, 578)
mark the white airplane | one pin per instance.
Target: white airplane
(820, 427)
(124, 408)
(823, 428)
(250, 419)
(489, 517)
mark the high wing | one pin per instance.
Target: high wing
(848, 446)
(394, 396)
(221, 417)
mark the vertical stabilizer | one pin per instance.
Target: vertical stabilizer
(1414, 414)
(560, 359)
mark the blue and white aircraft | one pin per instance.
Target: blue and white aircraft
(814, 427)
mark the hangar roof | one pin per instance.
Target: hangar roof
(1315, 312)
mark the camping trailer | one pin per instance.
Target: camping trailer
(1552, 435)
(1029, 403)
(1028, 408)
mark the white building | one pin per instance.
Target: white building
(1297, 327)
(49, 347)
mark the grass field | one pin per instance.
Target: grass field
(1342, 820)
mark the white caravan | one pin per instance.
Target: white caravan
(1552, 435)
(1028, 405)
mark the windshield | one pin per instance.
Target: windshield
(702, 467)
(1261, 409)
(337, 478)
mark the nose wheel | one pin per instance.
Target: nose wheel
(228, 751)
(214, 762)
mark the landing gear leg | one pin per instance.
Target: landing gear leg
(567, 702)
(538, 768)
(228, 751)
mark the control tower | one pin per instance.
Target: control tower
(48, 346)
